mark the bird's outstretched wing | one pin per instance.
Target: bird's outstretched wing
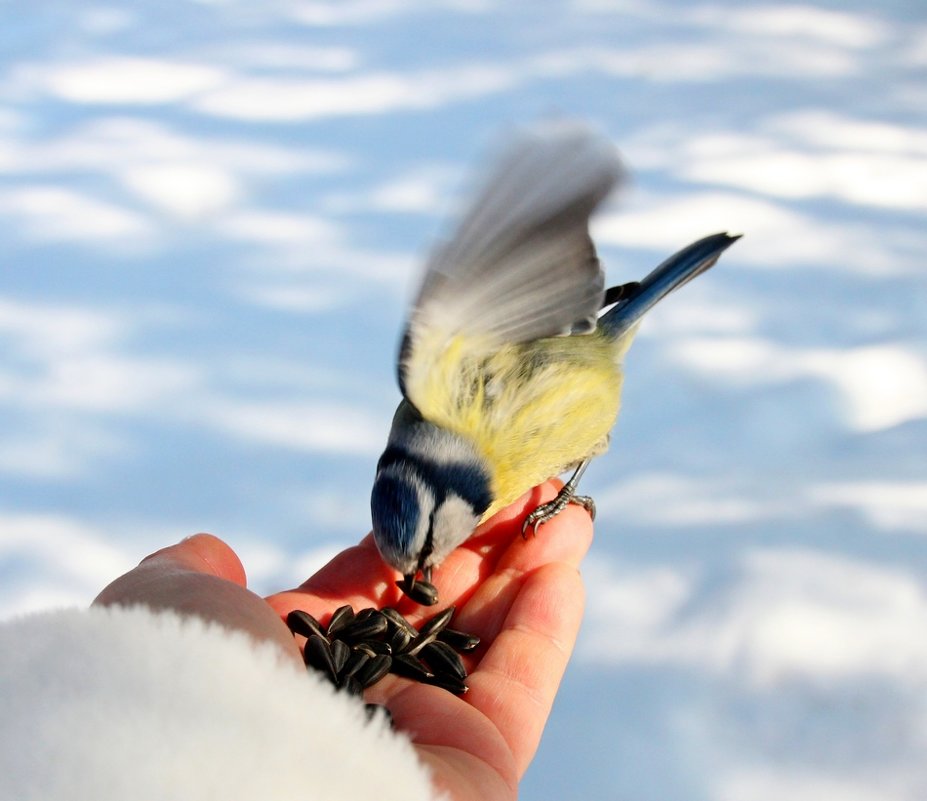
(520, 265)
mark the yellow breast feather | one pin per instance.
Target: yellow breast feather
(532, 409)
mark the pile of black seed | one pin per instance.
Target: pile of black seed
(355, 651)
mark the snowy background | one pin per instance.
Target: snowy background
(211, 218)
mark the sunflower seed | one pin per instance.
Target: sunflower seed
(422, 592)
(400, 640)
(340, 653)
(364, 628)
(398, 620)
(428, 632)
(351, 686)
(364, 647)
(459, 640)
(448, 683)
(318, 654)
(356, 650)
(356, 661)
(300, 622)
(374, 670)
(410, 667)
(379, 647)
(443, 660)
(438, 622)
(341, 617)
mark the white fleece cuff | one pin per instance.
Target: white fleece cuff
(127, 704)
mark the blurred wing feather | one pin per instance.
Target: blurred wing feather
(520, 265)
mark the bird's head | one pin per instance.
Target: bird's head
(430, 493)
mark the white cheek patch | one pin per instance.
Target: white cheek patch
(454, 522)
(426, 504)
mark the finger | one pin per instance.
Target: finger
(466, 569)
(199, 576)
(357, 576)
(518, 677)
(564, 539)
(499, 541)
(467, 755)
(202, 553)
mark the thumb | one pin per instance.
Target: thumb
(199, 576)
(201, 553)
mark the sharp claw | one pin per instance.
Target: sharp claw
(586, 502)
(549, 510)
(529, 523)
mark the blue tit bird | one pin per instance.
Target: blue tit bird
(511, 361)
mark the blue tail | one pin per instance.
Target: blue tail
(632, 301)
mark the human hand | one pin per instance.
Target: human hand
(201, 576)
(524, 600)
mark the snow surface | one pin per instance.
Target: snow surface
(212, 215)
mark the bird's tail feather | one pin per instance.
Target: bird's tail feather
(634, 300)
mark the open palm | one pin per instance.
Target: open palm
(523, 598)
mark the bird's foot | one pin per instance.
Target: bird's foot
(549, 510)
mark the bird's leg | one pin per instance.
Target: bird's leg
(546, 511)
